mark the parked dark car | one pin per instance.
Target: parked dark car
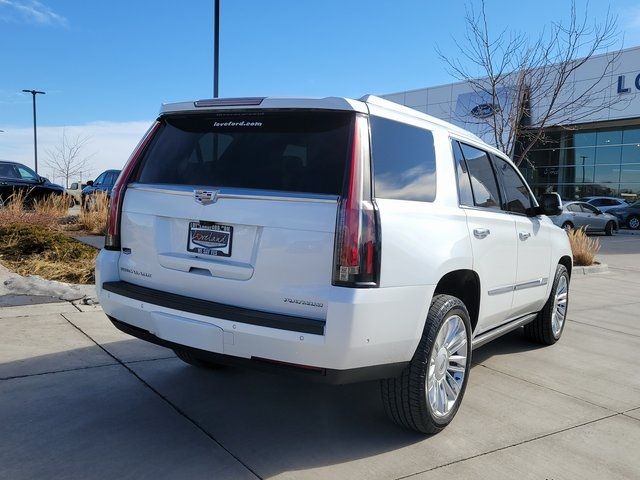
(104, 183)
(628, 216)
(16, 177)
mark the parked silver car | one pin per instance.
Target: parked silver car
(581, 214)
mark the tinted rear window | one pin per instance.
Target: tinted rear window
(297, 151)
(404, 161)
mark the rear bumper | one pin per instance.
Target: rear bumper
(323, 375)
(366, 334)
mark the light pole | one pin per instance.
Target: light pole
(216, 47)
(35, 133)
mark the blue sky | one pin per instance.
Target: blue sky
(113, 62)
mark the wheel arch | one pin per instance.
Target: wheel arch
(465, 285)
(567, 262)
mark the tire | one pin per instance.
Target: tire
(633, 222)
(196, 361)
(408, 398)
(566, 226)
(609, 229)
(547, 329)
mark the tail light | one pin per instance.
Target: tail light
(112, 239)
(357, 247)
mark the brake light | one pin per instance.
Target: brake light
(112, 239)
(357, 248)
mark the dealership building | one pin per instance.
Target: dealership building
(599, 154)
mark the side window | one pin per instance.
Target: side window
(464, 183)
(483, 180)
(598, 202)
(404, 161)
(26, 174)
(111, 178)
(8, 171)
(518, 199)
(589, 208)
(575, 208)
(100, 179)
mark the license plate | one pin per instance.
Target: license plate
(209, 238)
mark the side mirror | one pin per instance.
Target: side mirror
(42, 180)
(550, 204)
(90, 183)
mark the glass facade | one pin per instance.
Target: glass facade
(580, 163)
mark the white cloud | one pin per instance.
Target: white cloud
(110, 143)
(30, 11)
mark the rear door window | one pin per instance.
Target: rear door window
(483, 180)
(404, 161)
(297, 151)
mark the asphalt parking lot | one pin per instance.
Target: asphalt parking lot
(80, 400)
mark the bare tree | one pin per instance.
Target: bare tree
(524, 83)
(68, 160)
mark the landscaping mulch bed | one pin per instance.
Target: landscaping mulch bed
(38, 250)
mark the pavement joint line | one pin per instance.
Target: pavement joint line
(142, 360)
(549, 388)
(27, 375)
(167, 401)
(629, 416)
(539, 437)
(603, 328)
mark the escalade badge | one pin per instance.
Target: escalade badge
(205, 197)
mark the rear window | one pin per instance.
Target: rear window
(404, 161)
(297, 151)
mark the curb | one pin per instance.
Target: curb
(591, 269)
(627, 232)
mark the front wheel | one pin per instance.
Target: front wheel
(609, 228)
(567, 226)
(633, 222)
(427, 395)
(549, 324)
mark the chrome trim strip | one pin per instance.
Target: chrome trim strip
(500, 290)
(237, 193)
(533, 283)
(501, 330)
(520, 286)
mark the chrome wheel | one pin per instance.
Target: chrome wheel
(559, 311)
(634, 223)
(447, 366)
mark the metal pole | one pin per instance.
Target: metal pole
(35, 132)
(216, 48)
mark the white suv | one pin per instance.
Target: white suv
(343, 240)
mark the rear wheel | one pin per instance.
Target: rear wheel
(609, 228)
(195, 360)
(566, 226)
(427, 395)
(633, 222)
(549, 324)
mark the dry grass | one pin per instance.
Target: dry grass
(37, 250)
(93, 218)
(14, 212)
(584, 248)
(54, 205)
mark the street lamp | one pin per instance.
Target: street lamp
(35, 134)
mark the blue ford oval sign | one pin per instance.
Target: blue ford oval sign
(483, 110)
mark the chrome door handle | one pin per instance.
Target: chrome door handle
(481, 232)
(524, 235)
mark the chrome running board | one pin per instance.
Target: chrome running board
(501, 330)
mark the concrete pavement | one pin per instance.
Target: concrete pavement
(78, 399)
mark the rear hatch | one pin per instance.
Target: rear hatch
(239, 208)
